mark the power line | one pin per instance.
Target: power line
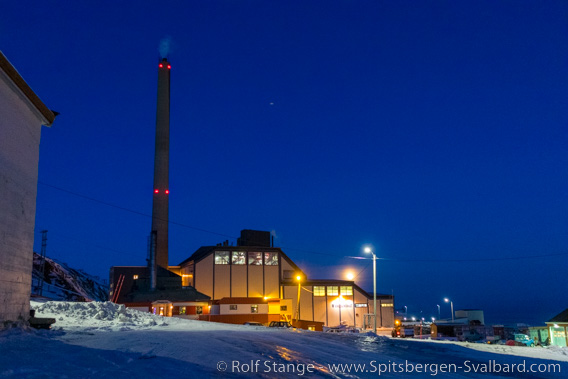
(302, 250)
(131, 210)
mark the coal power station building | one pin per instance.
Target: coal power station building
(251, 281)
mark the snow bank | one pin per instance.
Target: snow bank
(108, 316)
(100, 315)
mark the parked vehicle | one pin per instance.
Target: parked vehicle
(523, 340)
(402, 330)
(279, 324)
(253, 323)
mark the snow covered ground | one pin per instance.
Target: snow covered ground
(91, 340)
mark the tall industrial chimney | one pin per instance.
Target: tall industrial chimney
(161, 169)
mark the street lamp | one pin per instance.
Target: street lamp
(438, 305)
(451, 305)
(368, 250)
(299, 279)
(405, 311)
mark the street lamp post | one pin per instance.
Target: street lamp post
(299, 279)
(368, 250)
(405, 311)
(451, 306)
(438, 305)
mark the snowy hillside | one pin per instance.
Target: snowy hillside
(62, 282)
(96, 339)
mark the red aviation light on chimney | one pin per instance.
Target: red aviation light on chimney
(169, 67)
(167, 192)
(156, 191)
(160, 65)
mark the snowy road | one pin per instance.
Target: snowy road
(90, 347)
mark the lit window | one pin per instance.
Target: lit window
(254, 309)
(181, 310)
(221, 257)
(332, 291)
(346, 290)
(199, 310)
(255, 259)
(386, 305)
(233, 307)
(283, 308)
(319, 290)
(135, 277)
(239, 258)
(271, 259)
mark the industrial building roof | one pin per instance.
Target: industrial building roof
(561, 317)
(174, 295)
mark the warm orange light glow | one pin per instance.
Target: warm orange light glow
(298, 278)
(350, 276)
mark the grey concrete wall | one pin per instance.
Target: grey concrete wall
(20, 129)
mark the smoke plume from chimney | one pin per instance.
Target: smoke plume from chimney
(165, 46)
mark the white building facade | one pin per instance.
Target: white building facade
(22, 115)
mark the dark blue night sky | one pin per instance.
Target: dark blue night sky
(434, 130)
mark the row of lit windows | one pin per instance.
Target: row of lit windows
(333, 290)
(240, 258)
(253, 308)
(198, 310)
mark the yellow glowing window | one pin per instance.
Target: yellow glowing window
(346, 290)
(332, 291)
(319, 290)
(254, 258)
(135, 277)
(239, 258)
(254, 309)
(221, 257)
(271, 259)
(181, 310)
